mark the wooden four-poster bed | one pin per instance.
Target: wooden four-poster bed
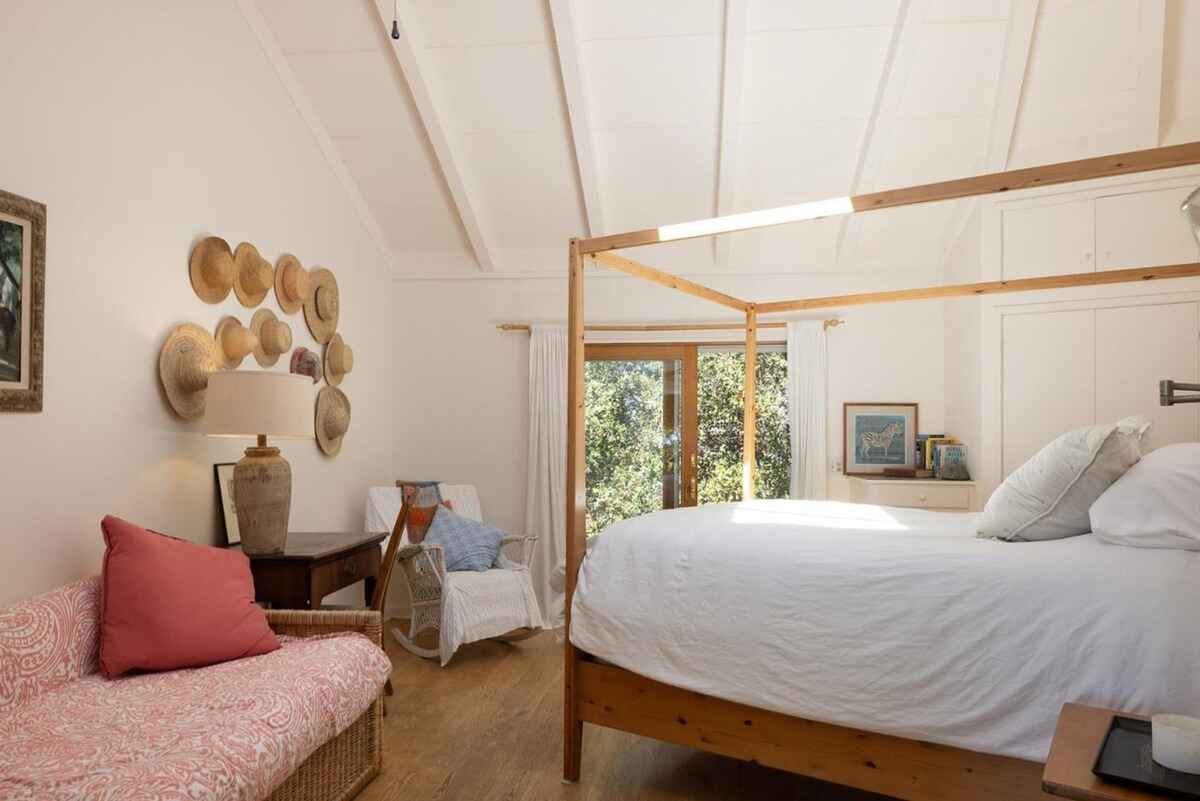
(601, 693)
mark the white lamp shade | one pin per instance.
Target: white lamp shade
(245, 403)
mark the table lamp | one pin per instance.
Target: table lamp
(243, 403)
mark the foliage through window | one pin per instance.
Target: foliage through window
(636, 430)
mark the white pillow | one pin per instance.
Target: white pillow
(1048, 497)
(1156, 504)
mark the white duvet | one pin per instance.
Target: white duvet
(898, 621)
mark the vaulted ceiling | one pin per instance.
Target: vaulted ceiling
(493, 130)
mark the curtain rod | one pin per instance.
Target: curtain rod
(832, 322)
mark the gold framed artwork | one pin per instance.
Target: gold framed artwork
(22, 302)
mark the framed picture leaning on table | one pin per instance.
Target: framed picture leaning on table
(876, 436)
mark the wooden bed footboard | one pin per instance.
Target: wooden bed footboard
(610, 696)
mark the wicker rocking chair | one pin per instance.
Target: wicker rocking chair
(423, 569)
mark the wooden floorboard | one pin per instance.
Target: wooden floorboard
(489, 727)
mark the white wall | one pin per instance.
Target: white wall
(144, 126)
(462, 391)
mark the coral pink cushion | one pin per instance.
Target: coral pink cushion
(167, 603)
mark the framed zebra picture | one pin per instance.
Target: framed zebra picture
(878, 435)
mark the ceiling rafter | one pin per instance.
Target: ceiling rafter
(1152, 28)
(274, 53)
(733, 64)
(411, 63)
(566, 41)
(1018, 44)
(885, 106)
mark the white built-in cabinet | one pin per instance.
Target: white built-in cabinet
(1070, 368)
(1083, 232)
(1056, 360)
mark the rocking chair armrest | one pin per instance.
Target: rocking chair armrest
(420, 559)
(526, 545)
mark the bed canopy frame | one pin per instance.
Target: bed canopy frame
(607, 695)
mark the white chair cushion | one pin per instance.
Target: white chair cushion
(1156, 504)
(1049, 496)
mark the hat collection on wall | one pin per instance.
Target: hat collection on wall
(191, 353)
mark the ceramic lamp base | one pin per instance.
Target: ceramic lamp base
(262, 489)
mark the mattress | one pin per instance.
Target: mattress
(897, 621)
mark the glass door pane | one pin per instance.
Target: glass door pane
(635, 433)
(722, 378)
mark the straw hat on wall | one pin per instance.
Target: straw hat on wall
(274, 337)
(293, 286)
(253, 275)
(321, 307)
(211, 269)
(332, 419)
(339, 360)
(184, 364)
(234, 342)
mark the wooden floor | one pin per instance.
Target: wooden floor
(489, 727)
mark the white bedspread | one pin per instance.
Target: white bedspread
(897, 621)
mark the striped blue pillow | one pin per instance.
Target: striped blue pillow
(466, 544)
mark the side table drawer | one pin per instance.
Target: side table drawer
(334, 575)
(942, 495)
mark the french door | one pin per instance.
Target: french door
(664, 427)
(641, 430)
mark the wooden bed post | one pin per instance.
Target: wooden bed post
(750, 407)
(576, 529)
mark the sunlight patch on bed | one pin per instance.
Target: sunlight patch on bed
(817, 514)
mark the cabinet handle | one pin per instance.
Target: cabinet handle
(352, 569)
(922, 497)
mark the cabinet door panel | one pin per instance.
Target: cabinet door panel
(1049, 379)
(1142, 229)
(1049, 240)
(1135, 348)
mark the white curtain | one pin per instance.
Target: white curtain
(807, 381)
(545, 500)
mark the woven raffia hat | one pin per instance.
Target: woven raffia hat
(274, 337)
(332, 419)
(321, 307)
(234, 342)
(293, 286)
(184, 364)
(339, 360)
(252, 276)
(211, 269)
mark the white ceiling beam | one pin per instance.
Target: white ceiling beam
(274, 53)
(1152, 28)
(1014, 63)
(733, 62)
(412, 65)
(885, 105)
(566, 42)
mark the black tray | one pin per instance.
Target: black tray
(1125, 759)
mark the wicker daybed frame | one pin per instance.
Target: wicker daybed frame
(606, 695)
(342, 767)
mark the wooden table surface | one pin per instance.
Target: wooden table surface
(317, 545)
(1077, 741)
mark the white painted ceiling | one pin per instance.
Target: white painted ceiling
(496, 129)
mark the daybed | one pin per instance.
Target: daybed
(302, 722)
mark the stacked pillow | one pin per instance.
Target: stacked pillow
(1049, 497)
(1156, 504)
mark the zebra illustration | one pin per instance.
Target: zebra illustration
(869, 440)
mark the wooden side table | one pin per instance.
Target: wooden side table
(1077, 740)
(313, 565)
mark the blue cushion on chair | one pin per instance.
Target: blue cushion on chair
(467, 544)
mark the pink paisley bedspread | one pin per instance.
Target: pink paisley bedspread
(229, 731)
